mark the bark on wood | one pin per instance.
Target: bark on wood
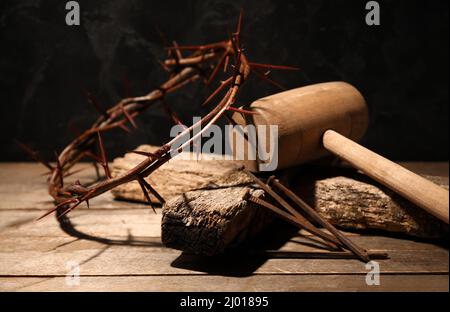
(176, 177)
(351, 200)
(209, 220)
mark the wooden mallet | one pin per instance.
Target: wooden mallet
(330, 117)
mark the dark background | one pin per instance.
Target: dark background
(401, 67)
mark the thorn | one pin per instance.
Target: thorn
(163, 39)
(87, 203)
(144, 190)
(270, 66)
(153, 191)
(97, 172)
(78, 202)
(147, 154)
(93, 100)
(216, 68)
(129, 117)
(70, 209)
(61, 204)
(232, 122)
(177, 50)
(225, 65)
(59, 169)
(230, 119)
(240, 110)
(164, 66)
(92, 156)
(46, 173)
(239, 25)
(103, 156)
(233, 44)
(267, 79)
(237, 64)
(172, 114)
(124, 128)
(221, 86)
(68, 174)
(34, 155)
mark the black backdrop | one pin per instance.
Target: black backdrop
(401, 67)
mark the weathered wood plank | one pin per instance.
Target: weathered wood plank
(29, 248)
(22, 186)
(96, 222)
(122, 259)
(128, 242)
(256, 283)
(301, 242)
(19, 226)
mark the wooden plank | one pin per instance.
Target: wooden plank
(96, 222)
(22, 258)
(128, 242)
(144, 223)
(108, 262)
(225, 283)
(22, 186)
(19, 226)
(12, 244)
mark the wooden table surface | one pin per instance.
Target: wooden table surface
(118, 248)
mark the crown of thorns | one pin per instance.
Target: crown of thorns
(200, 63)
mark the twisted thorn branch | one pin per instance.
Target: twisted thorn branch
(182, 70)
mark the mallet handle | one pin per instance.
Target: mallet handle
(425, 194)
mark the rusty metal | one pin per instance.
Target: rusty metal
(328, 240)
(295, 217)
(361, 253)
(299, 219)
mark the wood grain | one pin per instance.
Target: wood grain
(119, 248)
(181, 174)
(255, 283)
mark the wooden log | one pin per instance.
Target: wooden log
(351, 200)
(209, 220)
